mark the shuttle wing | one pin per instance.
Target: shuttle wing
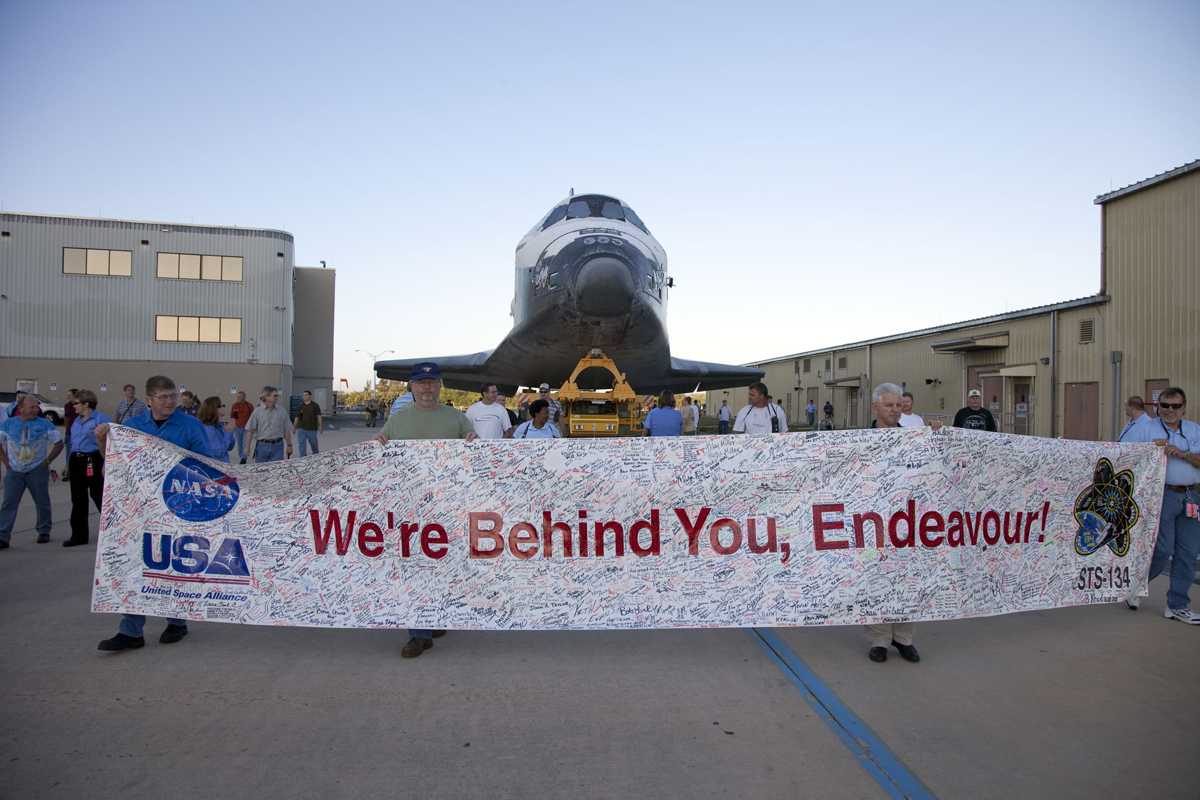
(464, 372)
(685, 376)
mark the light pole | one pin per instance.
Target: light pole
(374, 358)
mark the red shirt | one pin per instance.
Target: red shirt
(240, 413)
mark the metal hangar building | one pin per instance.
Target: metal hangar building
(1060, 370)
(100, 303)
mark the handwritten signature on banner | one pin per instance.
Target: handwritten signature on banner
(839, 527)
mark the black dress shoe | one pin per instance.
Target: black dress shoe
(878, 654)
(43, 538)
(122, 642)
(173, 634)
(907, 652)
(74, 542)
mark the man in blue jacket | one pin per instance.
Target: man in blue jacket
(173, 425)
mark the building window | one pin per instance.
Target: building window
(827, 365)
(808, 365)
(841, 362)
(190, 267)
(1087, 331)
(113, 263)
(223, 330)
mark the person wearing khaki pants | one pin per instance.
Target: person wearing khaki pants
(887, 401)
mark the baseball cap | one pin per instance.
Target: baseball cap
(974, 393)
(425, 369)
(545, 387)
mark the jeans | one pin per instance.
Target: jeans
(309, 437)
(812, 418)
(268, 451)
(1178, 536)
(420, 633)
(240, 435)
(37, 480)
(132, 624)
(723, 426)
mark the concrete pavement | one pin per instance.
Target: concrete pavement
(1096, 701)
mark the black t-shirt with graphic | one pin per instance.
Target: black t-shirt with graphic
(981, 420)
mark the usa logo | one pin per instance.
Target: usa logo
(196, 492)
(192, 559)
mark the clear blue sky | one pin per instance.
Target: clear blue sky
(818, 173)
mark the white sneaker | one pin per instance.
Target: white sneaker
(1133, 603)
(1183, 615)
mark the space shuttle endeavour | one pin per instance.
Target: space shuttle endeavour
(589, 276)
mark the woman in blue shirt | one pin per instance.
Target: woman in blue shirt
(664, 420)
(222, 441)
(85, 464)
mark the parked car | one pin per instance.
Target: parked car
(50, 409)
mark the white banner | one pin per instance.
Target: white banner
(840, 527)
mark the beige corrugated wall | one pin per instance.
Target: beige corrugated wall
(1152, 261)
(1152, 264)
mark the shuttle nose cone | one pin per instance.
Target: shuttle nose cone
(604, 287)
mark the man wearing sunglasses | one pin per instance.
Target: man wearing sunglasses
(166, 421)
(1179, 526)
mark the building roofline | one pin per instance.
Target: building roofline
(1162, 177)
(1036, 311)
(22, 216)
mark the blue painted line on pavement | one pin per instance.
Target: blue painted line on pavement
(880, 762)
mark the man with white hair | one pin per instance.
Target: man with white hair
(887, 402)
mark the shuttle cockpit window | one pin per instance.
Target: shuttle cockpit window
(612, 210)
(595, 206)
(632, 217)
(554, 216)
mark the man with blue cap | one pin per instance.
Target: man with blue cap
(425, 418)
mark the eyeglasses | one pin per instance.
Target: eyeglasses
(163, 398)
(221, 406)
(1171, 405)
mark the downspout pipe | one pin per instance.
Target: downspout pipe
(1054, 374)
(1115, 357)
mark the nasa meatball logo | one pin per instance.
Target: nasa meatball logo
(196, 492)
